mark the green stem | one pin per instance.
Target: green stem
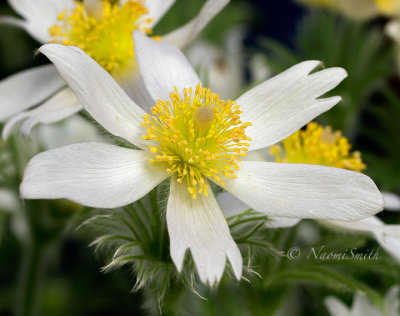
(31, 275)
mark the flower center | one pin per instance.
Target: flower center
(104, 31)
(319, 146)
(197, 136)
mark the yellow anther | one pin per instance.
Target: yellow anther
(107, 35)
(320, 146)
(208, 137)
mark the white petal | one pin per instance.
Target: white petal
(388, 236)
(10, 20)
(98, 92)
(184, 35)
(163, 67)
(392, 302)
(363, 307)
(336, 307)
(157, 9)
(134, 87)
(305, 191)
(62, 105)
(282, 222)
(74, 130)
(92, 174)
(27, 88)
(231, 206)
(40, 15)
(199, 225)
(392, 201)
(283, 104)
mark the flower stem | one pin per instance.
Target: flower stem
(31, 274)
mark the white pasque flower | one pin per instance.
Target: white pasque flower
(363, 307)
(194, 137)
(103, 29)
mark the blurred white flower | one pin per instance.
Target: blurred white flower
(223, 69)
(67, 132)
(9, 201)
(103, 29)
(193, 137)
(388, 236)
(358, 9)
(363, 307)
(355, 9)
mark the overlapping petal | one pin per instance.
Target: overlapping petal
(184, 35)
(199, 225)
(40, 15)
(283, 104)
(163, 67)
(98, 92)
(28, 88)
(157, 9)
(305, 191)
(93, 174)
(231, 206)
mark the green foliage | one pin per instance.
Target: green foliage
(359, 48)
(382, 149)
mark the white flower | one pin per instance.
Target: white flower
(67, 22)
(189, 122)
(363, 307)
(223, 69)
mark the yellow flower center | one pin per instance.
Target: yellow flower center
(197, 136)
(319, 146)
(104, 32)
(389, 7)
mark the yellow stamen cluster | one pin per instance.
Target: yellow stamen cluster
(197, 136)
(320, 146)
(105, 34)
(389, 7)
